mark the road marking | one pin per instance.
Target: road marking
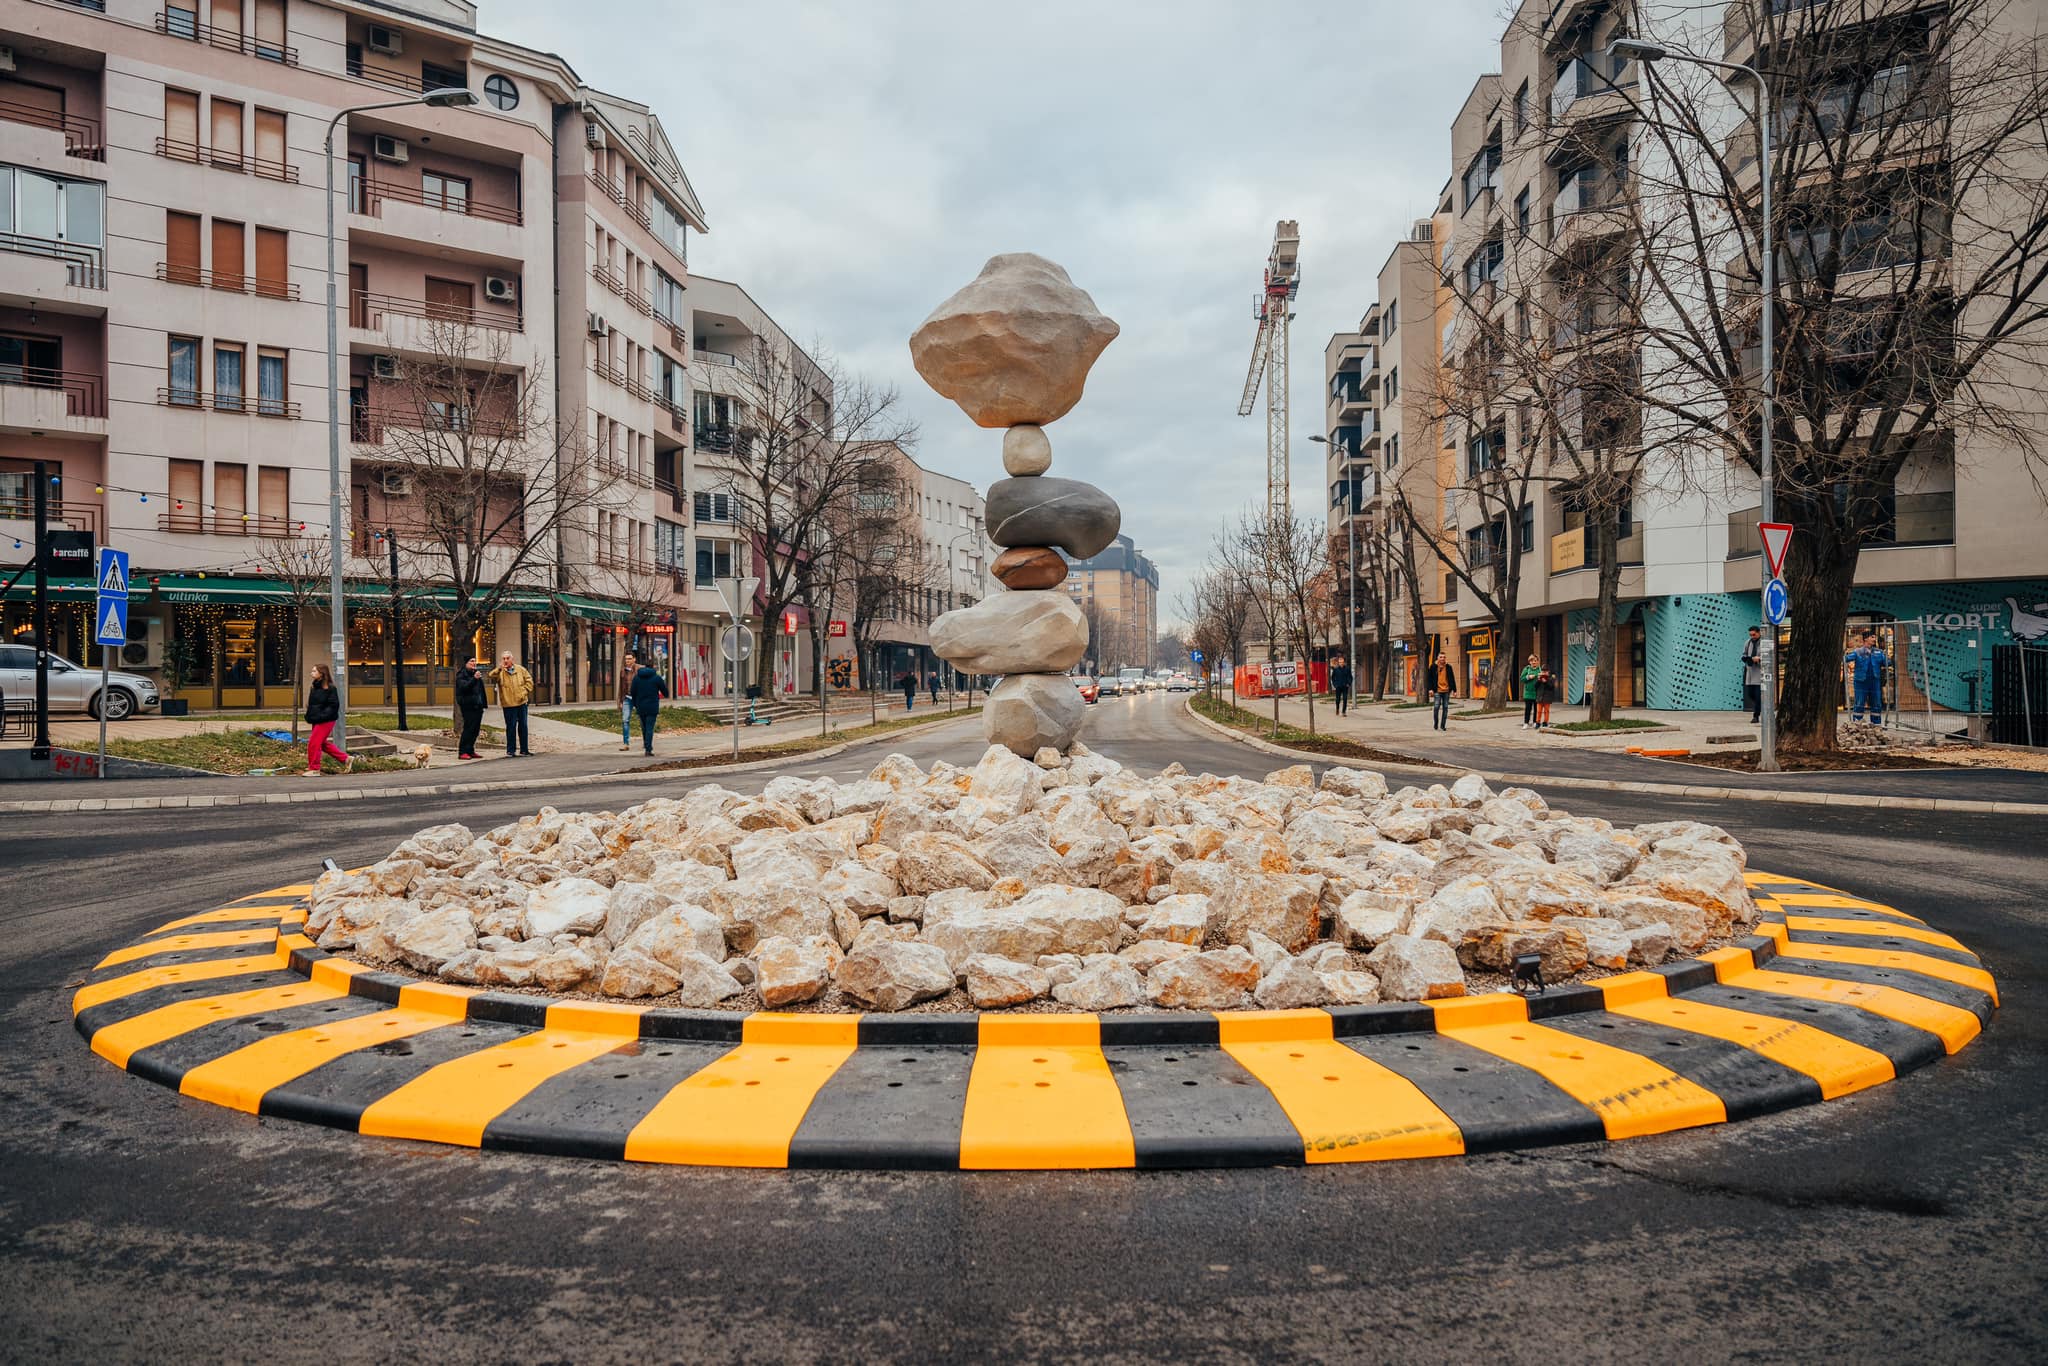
(1834, 925)
(1346, 1107)
(1839, 1065)
(122, 1040)
(240, 1080)
(114, 988)
(1953, 1025)
(1041, 1095)
(1961, 974)
(217, 939)
(743, 1109)
(456, 1101)
(1797, 901)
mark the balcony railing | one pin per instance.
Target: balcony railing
(231, 284)
(218, 523)
(678, 336)
(366, 425)
(76, 515)
(612, 190)
(85, 266)
(1914, 519)
(1583, 77)
(366, 310)
(184, 23)
(721, 358)
(618, 376)
(389, 77)
(1589, 189)
(629, 564)
(82, 138)
(368, 196)
(616, 283)
(613, 469)
(678, 416)
(724, 440)
(171, 396)
(222, 158)
(85, 395)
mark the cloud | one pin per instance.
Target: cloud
(858, 163)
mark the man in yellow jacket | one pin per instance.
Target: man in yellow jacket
(515, 690)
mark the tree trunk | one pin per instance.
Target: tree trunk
(1500, 684)
(298, 668)
(1601, 707)
(1818, 580)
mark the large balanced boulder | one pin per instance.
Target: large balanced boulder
(1075, 516)
(1027, 712)
(1013, 633)
(1014, 345)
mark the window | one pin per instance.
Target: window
(1388, 319)
(1393, 450)
(439, 191)
(1522, 109)
(671, 546)
(1525, 529)
(181, 248)
(1525, 425)
(270, 30)
(667, 225)
(272, 264)
(181, 124)
(227, 133)
(453, 299)
(184, 372)
(230, 496)
(227, 255)
(273, 496)
(1484, 265)
(33, 204)
(712, 507)
(434, 76)
(272, 384)
(714, 562)
(1522, 213)
(186, 477)
(1521, 318)
(668, 298)
(270, 145)
(227, 376)
(501, 92)
(181, 21)
(1393, 386)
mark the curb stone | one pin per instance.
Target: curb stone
(1796, 796)
(238, 1008)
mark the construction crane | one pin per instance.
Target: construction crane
(1273, 309)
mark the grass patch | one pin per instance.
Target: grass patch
(668, 721)
(810, 743)
(1408, 706)
(1618, 723)
(1469, 713)
(236, 752)
(1251, 723)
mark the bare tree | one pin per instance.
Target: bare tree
(299, 564)
(871, 561)
(1911, 221)
(1293, 558)
(1221, 613)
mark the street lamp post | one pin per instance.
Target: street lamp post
(448, 97)
(1645, 51)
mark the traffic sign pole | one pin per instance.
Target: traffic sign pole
(110, 624)
(1777, 539)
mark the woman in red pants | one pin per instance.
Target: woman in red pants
(323, 709)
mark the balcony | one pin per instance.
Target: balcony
(215, 522)
(618, 376)
(226, 159)
(230, 284)
(367, 425)
(184, 23)
(18, 515)
(721, 358)
(1585, 89)
(1574, 550)
(1913, 519)
(1584, 208)
(85, 267)
(1349, 396)
(612, 190)
(367, 197)
(678, 415)
(367, 311)
(34, 397)
(612, 469)
(724, 440)
(616, 283)
(82, 136)
(624, 563)
(171, 396)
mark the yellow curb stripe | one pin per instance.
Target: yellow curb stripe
(1628, 988)
(1953, 1025)
(1041, 1095)
(1823, 924)
(1632, 1095)
(225, 915)
(1839, 1065)
(1790, 902)
(1960, 973)
(595, 1017)
(122, 1040)
(177, 943)
(114, 988)
(455, 1101)
(240, 1080)
(743, 1109)
(334, 972)
(1345, 1106)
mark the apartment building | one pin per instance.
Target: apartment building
(163, 329)
(1117, 589)
(1544, 152)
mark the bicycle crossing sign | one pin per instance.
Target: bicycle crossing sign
(110, 605)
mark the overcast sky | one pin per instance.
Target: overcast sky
(858, 162)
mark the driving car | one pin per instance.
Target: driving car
(1130, 681)
(73, 688)
(1089, 688)
(1180, 683)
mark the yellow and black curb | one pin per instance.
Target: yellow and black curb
(1836, 994)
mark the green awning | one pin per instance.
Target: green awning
(594, 609)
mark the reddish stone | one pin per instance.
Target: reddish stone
(1029, 566)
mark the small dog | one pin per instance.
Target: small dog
(421, 755)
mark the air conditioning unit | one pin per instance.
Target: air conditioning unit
(599, 327)
(384, 147)
(396, 484)
(593, 136)
(387, 42)
(384, 367)
(498, 288)
(6, 59)
(145, 647)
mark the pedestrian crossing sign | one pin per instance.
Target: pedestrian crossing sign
(110, 609)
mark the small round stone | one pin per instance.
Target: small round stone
(1026, 451)
(1028, 567)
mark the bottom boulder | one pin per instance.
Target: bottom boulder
(1029, 712)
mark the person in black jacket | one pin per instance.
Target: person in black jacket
(323, 709)
(647, 691)
(471, 697)
(1340, 684)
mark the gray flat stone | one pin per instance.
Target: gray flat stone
(1075, 516)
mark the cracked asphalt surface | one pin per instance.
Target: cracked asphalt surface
(1906, 1221)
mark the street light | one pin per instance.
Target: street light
(447, 97)
(1643, 50)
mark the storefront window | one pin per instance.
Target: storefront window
(366, 650)
(280, 647)
(601, 676)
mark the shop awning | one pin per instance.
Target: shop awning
(362, 595)
(594, 609)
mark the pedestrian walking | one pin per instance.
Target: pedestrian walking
(644, 693)
(323, 709)
(1753, 675)
(1443, 681)
(1340, 684)
(935, 687)
(1866, 678)
(909, 685)
(1531, 676)
(471, 696)
(515, 692)
(1546, 693)
(628, 667)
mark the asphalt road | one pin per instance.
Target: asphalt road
(1904, 1222)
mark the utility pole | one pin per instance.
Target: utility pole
(397, 628)
(40, 748)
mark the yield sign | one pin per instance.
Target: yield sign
(1777, 536)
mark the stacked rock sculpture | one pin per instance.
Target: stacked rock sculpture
(1013, 349)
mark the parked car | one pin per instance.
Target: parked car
(1090, 689)
(73, 688)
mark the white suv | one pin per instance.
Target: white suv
(73, 688)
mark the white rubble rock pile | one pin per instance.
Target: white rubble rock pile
(1067, 881)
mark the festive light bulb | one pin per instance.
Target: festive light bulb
(202, 573)
(99, 488)
(145, 497)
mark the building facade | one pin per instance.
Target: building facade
(1118, 591)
